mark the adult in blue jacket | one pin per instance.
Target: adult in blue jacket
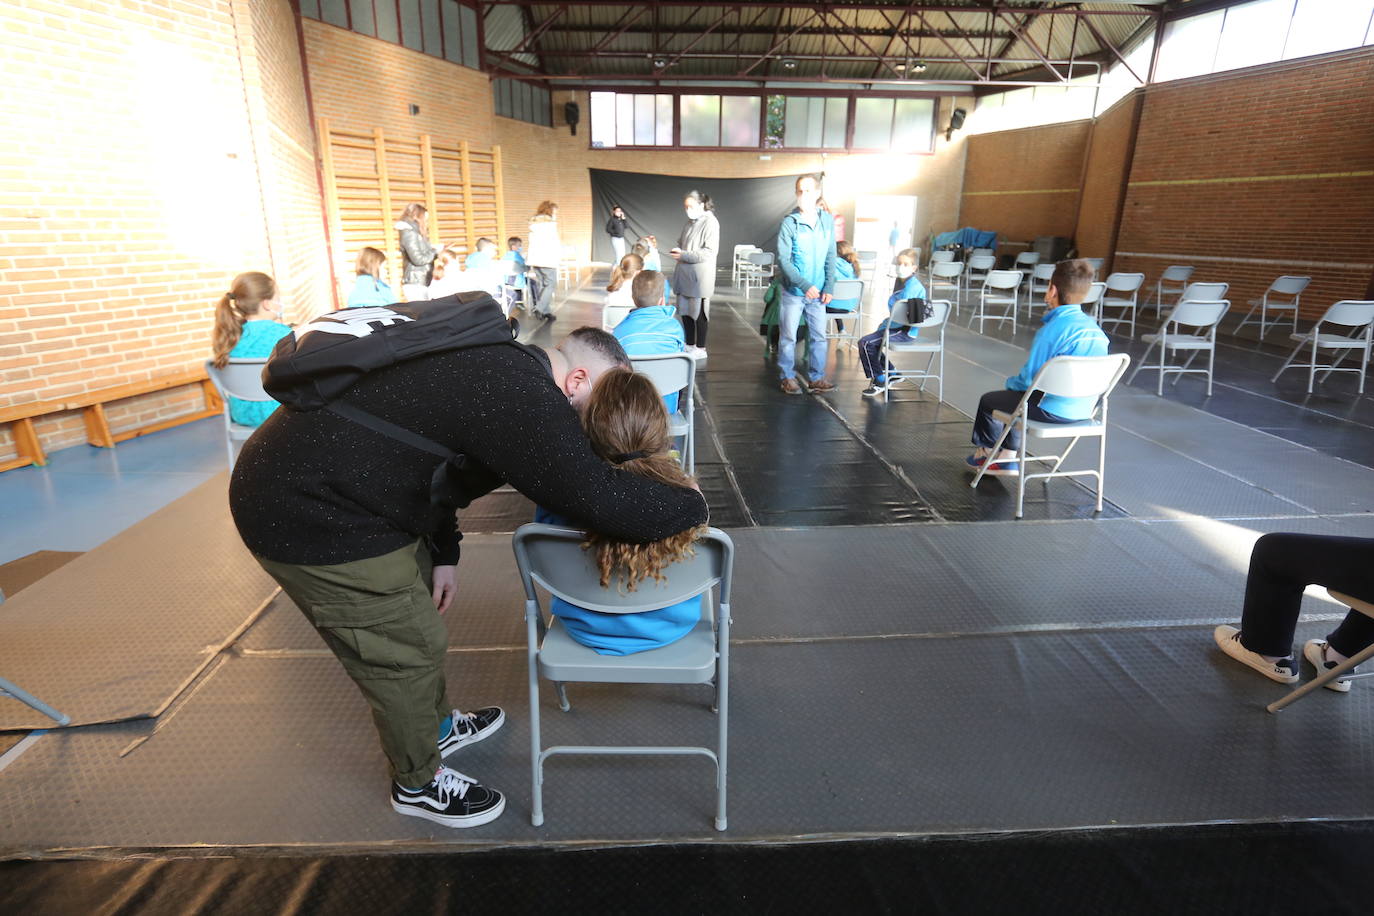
(652, 327)
(1066, 331)
(806, 258)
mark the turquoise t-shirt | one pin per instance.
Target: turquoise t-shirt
(258, 338)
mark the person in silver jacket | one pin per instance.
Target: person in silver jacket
(695, 276)
(417, 252)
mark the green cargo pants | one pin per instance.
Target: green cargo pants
(379, 619)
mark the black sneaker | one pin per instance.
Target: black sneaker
(471, 727)
(452, 799)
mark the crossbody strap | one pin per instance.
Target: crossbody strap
(443, 488)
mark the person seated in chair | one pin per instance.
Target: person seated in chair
(1066, 331)
(1281, 566)
(652, 328)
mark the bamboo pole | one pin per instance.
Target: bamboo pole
(467, 196)
(500, 198)
(427, 169)
(384, 185)
(331, 188)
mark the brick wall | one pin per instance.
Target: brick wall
(1104, 176)
(1025, 183)
(1246, 175)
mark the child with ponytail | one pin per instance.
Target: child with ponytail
(628, 426)
(247, 326)
(622, 275)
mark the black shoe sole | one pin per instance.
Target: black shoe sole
(476, 819)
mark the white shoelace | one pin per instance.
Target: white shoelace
(467, 717)
(450, 783)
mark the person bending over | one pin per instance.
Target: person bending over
(652, 328)
(247, 326)
(1281, 566)
(1065, 331)
(628, 427)
(871, 355)
(345, 518)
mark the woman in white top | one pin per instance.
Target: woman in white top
(543, 255)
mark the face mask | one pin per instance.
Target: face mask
(905, 270)
(695, 212)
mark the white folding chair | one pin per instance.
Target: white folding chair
(759, 270)
(553, 559)
(568, 267)
(1070, 377)
(1191, 326)
(1096, 264)
(1128, 286)
(675, 372)
(1338, 672)
(1204, 290)
(868, 265)
(14, 691)
(1284, 294)
(1093, 298)
(1039, 285)
(1171, 284)
(242, 379)
(612, 315)
(947, 277)
(1357, 316)
(1026, 262)
(845, 290)
(930, 342)
(984, 253)
(738, 262)
(999, 288)
(977, 269)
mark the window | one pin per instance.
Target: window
(522, 101)
(628, 119)
(815, 123)
(1320, 26)
(1253, 33)
(441, 28)
(700, 120)
(1190, 46)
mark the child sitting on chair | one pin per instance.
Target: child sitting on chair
(846, 268)
(871, 355)
(247, 326)
(618, 290)
(628, 427)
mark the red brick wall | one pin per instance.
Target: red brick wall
(1246, 175)
(1108, 162)
(1025, 183)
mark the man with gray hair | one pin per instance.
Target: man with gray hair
(354, 524)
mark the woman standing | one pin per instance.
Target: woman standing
(695, 276)
(419, 254)
(543, 257)
(615, 228)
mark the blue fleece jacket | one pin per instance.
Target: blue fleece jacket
(843, 271)
(650, 331)
(368, 290)
(910, 288)
(516, 268)
(258, 339)
(1066, 331)
(806, 252)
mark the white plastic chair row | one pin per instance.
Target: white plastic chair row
(1357, 318)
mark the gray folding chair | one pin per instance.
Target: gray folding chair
(1094, 298)
(675, 372)
(1283, 295)
(1337, 673)
(553, 559)
(1070, 377)
(930, 342)
(1171, 284)
(845, 290)
(612, 315)
(1039, 285)
(1000, 288)
(1355, 315)
(946, 277)
(739, 262)
(977, 269)
(759, 270)
(1128, 285)
(1191, 326)
(28, 699)
(242, 379)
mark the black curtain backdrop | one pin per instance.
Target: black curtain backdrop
(749, 210)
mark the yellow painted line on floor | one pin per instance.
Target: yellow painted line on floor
(1250, 178)
(1036, 191)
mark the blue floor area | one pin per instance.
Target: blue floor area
(86, 495)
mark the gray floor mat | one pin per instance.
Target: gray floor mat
(121, 629)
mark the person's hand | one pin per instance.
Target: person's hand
(826, 298)
(812, 293)
(445, 586)
(675, 253)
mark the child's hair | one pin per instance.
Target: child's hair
(514, 240)
(647, 288)
(241, 303)
(485, 243)
(370, 262)
(628, 426)
(546, 208)
(703, 199)
(910, 254)
(414, 213)
(441, 263)
(845, 252)
(641, 247)
(629, 265)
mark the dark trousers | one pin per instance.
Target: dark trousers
(871, 358)
(694, 329)
(546, 278)
(1281, 566)
(986, 429)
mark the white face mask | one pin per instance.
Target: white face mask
(905, 270)
(695, 212)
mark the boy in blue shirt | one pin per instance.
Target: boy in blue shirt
(871, 356)
(652, 328)
(1066, 331)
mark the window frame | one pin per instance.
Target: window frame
(443, 52)
(535, 88)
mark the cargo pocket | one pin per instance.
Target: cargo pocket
(398, 638)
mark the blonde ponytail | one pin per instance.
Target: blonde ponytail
(629, 265)
(241, 303)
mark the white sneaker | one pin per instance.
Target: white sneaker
(1285, 670)
(696, 352)
(1314, 650)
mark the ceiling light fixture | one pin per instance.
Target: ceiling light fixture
(919, 67)
(789, 64)
(660, 63)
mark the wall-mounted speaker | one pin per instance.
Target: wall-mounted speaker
(956, 121)
(572, 114)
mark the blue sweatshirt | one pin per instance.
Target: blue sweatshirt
(844, 271)
(1066, 332)
(910, 288)
(806, 253)
(650, 331)
(622, 634)
(516, 268)
(368, 290)
(256, 342)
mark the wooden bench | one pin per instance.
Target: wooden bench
(92, 405)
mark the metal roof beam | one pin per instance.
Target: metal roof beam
(1136, 11)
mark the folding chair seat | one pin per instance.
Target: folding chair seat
(670, 373)
(242, 379)
(929, 342)
(946, 277)
(1190, 327)
(1338, 673)
(1072, 377)
(1171, 285)
(1284, 294)
(1357, 316)
(553, 559)
(1127, 286)
(844, 291)
(1000, 288)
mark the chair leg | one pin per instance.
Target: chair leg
(1322, 679)
(1184, 368)
(536, 765)
(1140, 365)
(1211, 364)
(1159, 385)
(1288, 362)
(1021, 467)
(1101, 466)
(1312, 367)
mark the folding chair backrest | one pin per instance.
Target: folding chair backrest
(553, 558)
(742, 250)
(1199, 313)
(1096, 263)
(1095, 292)
(1028, 258)
(945, 269)
(1004, 279)
(241, 378)
(866, 256)
(1205, 291)
(1080, 376)
(848, 289)
(1043, 271)
(938, 256)
(1124, 283)
(670, 372)
(612, 315)
(760, 258)
(939, 311)
(983, 252)
(1176, 273)
(1289, 286)
(981, 262)
(1350, 313)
